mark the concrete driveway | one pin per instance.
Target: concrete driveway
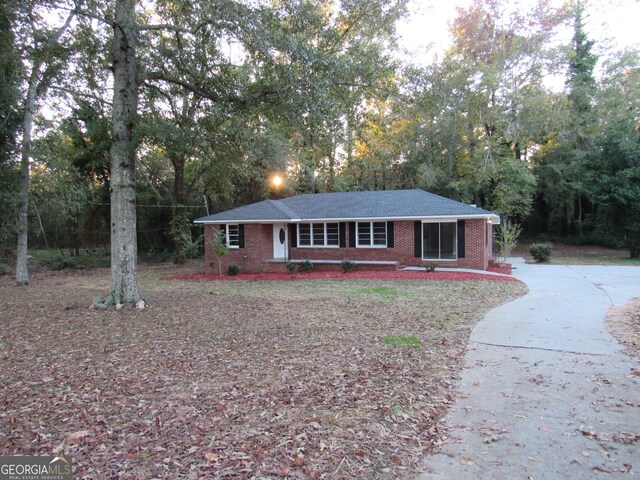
(547, 392)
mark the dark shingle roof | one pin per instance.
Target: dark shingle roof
(384, 204)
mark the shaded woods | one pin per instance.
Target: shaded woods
(223, 95)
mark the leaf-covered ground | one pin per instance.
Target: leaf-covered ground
(234, 379)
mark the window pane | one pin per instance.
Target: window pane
(448, 241)
(380, 233)
(318, 233)
(233, 235)
(305, 233)
(332, 234)
(431, 240)
(364, 233)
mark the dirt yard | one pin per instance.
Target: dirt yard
(563, 254)
(624, 324)
(216, 379)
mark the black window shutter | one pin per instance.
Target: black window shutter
(241, 235)
(293, 235)
(352, 234)
(389, 234)
(341, 235)
(223, 233)
(417, 239)
(461, 232)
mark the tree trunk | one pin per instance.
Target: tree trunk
(124, 250)
(178, 208)
(332, 168)
(22, 273)
(579, 215)
(179, 186)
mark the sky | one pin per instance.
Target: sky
(425, 31)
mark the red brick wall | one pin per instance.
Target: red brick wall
(254, 257)
(477, 252)
(257, 254)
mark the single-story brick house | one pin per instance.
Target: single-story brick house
(377, 229)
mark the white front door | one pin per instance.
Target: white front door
(279, 240)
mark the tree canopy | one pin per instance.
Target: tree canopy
(144, 112)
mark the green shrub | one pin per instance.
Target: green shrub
(507, 238)
(541, 251)
(61, 262)
(348, 265)
(306, 266)
(292, 267)
(191, 248)
(233, 269)
(180, 232)
(431, 267)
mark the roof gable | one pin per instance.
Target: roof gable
(384, 204)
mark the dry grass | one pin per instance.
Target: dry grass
(234, 379)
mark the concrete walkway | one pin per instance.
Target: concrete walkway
(547, 392)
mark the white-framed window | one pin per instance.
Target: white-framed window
(440, 240)
(231, 234)
(318, 235)
(371, 234)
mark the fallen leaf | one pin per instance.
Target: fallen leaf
(76, 437)
(492, 439)
(211, 457)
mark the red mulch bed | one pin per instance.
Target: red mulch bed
(397, 275)
(505, 269)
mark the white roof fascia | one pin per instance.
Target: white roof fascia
(216, 222)
(495, 219)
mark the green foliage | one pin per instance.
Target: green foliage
(219, 248)
(511, 187)
(580, 81)
(5, 269)
(87, 259)
(306, 266)
(9, 178)
(401, 341)
(191, 247)
(430, 267)
(541, 252)
(183, 244)
(292, 267)
(10, 70)
(507, 238)
(315, 93)
(233, 270)
(62, 197)
(613, 167)
(348, 266)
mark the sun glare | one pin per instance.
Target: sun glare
(277, 181)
